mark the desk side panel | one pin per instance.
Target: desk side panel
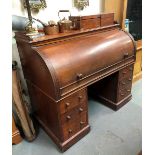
(35, 69)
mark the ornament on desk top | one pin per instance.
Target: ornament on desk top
(65, 25)
(30, 28)
(50, 28)
(81, 4)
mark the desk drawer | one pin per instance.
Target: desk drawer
(107, 19)
(72, 101)
(126, 72)
(125, 82)
(70, 128)
(123, 94)
(83, 119)
(90, 23)
(73, 114)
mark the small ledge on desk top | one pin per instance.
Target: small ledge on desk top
(43, 37)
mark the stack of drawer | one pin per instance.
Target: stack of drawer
(73, 113)
(114, 91)
(125, 82)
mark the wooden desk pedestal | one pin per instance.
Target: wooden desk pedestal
(114, 91)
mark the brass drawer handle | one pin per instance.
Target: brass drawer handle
(68, 117)
(122, 94)
(81, 109)
(81, 123)
(67, 104)
(79, 76)
(70, 131)
(128, 90)
(126, 55)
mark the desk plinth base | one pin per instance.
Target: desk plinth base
(111, 104)
(63, 146)
(68, 143)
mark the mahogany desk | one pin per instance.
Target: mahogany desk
(59, 68)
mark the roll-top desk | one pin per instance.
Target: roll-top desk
(58, 70)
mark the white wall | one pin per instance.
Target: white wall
(50, 13)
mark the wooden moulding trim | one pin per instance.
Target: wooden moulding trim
(111, 104)
(80, 87)
(68, 143)
(48, 39)
(71, 37)
(48, 96)
(48, 131)
(75, 33)
(98, 78)
(51, 71)
(101, 70)
(133, 41)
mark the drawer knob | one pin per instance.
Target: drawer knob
(68, 117)
(129, 79)
(123, 83)
(128, 90)
(124, 72)
(126, 55)
(122, 94)
(70, 131)
(81, 123)
(80, 109)
(79, 76)
(67, 104)
(80, 97)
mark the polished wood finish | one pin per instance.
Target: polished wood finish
(92, 21)
(115, 90)
(16, 137)
(59, 68)
(107, 19)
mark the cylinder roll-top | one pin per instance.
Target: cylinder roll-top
(73, 60)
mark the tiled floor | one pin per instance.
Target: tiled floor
(112, 133)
